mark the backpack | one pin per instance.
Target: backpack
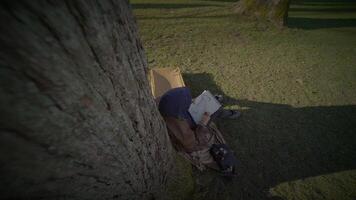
(225, 159)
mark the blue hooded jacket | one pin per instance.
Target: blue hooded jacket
(176, 103)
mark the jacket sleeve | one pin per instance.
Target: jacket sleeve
(189, 139)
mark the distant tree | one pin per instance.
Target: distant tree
(275, 11)
(77, 117)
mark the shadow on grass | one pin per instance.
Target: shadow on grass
(310, 23)
(319, 2)
(223, 0)
(331, 10)
(317, 6)
(168, 5)
(278, 143)
(193, 16)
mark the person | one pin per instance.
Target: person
(193, 138)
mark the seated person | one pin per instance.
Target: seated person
(193, 138)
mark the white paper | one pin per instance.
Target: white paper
(205, 102)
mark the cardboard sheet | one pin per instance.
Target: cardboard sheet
(164, 79)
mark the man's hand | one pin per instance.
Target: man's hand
(205, 119)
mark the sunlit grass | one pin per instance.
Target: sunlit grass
(296, 85)
(339, 185)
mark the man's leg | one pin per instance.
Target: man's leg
(225, 114)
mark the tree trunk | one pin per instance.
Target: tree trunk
(78, 120)
(275, 11)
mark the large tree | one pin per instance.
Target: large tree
(77, 117)
(275, 11)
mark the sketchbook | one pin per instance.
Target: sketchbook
(205, 102)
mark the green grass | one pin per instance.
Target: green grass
(339, 185)
(296, 87)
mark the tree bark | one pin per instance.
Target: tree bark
(78, 120)
(275, 11)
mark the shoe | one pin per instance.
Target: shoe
(219, 97)
(230, 114)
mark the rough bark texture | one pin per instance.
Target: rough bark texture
(275, 11)
(77, 117)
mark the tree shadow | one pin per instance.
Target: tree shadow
(223, 0)
(322, 1)
(191, 16)
(169, 5)
(330, 9)
(276, 143)
(309, 23)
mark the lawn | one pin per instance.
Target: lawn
(295, 86)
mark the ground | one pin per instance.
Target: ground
(295, 86)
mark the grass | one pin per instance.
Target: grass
(296, 88)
